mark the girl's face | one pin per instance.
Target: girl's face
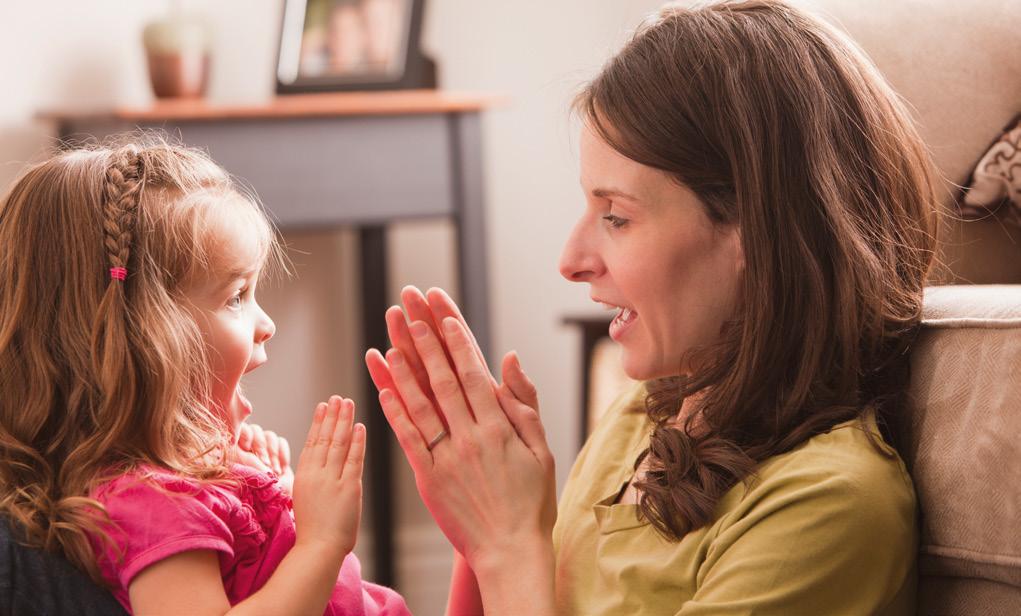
(233, 326)
(646, 247)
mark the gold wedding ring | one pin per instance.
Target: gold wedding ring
(436, 439)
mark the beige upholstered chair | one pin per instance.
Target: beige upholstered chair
(958, 64)
(965, 452)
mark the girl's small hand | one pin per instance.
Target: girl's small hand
(266, 451)
(328, 482)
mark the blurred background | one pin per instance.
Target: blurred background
(79, 56)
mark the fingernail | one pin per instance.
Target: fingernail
(386, 397)
(450, 325)
(395, 358)
(419, 329)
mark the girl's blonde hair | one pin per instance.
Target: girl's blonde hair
(99, 376)
(784, 128)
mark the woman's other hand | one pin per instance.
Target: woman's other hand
(328, 482)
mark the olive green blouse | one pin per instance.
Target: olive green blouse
(827, 528)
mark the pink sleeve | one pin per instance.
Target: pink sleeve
(155, 518)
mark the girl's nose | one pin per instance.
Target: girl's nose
(579, 262)
(266, 327)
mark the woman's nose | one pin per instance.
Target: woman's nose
(578, 261)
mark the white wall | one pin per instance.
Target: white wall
(73, 55)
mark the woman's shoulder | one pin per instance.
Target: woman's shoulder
(849, 466)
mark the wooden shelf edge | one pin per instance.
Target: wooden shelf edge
(397, 102)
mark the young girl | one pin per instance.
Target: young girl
(127, 319)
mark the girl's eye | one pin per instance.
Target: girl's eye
(235, 302)
(616, 222)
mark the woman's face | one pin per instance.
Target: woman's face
(646, 247)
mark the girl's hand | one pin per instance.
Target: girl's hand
(266, 451)
(328, 482)
(489, 484)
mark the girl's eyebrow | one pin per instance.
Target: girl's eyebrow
(231, 276)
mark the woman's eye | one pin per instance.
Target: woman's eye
(615, 221)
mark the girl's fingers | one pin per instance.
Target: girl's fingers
(245, 437)
(273, 450)
(421, 408)
(322, 443)
(517, 382)
(285, 453)
(444, 382)
(259, 444)
(472, 374)
(340, 440)
(313, 435)
(408, 436)
(442, 306)
(355, 462)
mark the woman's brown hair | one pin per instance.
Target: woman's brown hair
(101, 376)
(784, 128)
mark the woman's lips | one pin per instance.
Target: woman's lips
(622, 322)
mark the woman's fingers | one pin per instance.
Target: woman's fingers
(340, 440)
(444, 381)
(400, 339)
(420, 407)
(472, 374)
(442, 306)
(517, 382)
(379, 371)
(418, 309)
(526, 423)
(408, 436)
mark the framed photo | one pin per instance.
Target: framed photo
(332, 45)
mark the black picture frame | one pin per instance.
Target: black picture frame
(406, 68)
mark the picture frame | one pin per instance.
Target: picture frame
(349, 45)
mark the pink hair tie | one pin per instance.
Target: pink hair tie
(119, 273)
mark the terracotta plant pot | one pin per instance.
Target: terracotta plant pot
(177, 51)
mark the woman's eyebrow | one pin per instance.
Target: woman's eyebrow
(607, 193)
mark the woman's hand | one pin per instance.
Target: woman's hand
(490, 484)
(266, 451)
(328, 482)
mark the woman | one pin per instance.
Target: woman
(761, 210)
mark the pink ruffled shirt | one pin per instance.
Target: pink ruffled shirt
(251, 528)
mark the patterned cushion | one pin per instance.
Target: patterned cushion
(965, 453)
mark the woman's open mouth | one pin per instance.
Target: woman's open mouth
(623, 320)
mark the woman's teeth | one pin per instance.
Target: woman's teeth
(626, 315)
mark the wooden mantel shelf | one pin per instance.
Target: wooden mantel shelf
(397, 102)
